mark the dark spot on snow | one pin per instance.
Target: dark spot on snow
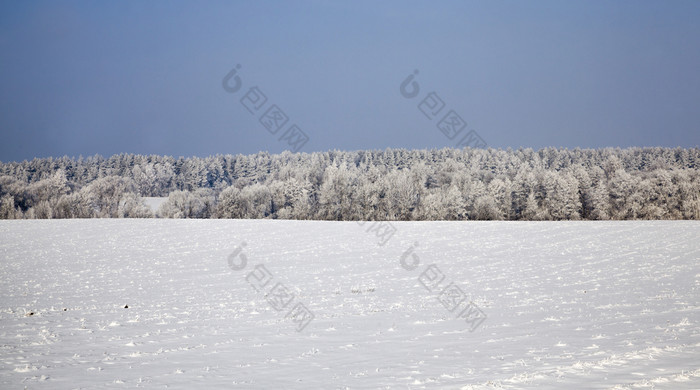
(31, 313)
(126, 306)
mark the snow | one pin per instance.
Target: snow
(568, 304)
(154, 202)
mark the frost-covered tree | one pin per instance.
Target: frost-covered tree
(41, 210)
(370, 196)
(689, 196)
(229, 205)
(486, 209)
(8, 209)
(551, 183)
(625, 202)
(336, 194)
(132, 206)
(452, 204)
(403, 195)
(533, 210)
(75, 205)
(103, 195)
(290, 199)
(600, 203)
(186, 204)
(562, 200)
(499, 189)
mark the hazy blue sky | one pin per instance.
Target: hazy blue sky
(105, 77)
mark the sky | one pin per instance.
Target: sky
(148, 77)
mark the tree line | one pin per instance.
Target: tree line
(393, 184)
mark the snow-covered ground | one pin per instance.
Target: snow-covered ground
(153, 202)
(338, 305)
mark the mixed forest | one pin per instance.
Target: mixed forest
(393, 184)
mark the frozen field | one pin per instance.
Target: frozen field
(592, 305)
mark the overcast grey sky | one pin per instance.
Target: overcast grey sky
(99, 77)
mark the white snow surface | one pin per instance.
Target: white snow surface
(153, 202)
(593, 305)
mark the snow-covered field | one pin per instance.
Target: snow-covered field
(568, 304)
(154, 203)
